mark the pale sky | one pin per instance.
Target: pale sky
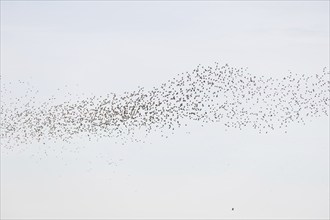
(101, 47)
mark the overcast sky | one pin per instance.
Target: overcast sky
(111, 46)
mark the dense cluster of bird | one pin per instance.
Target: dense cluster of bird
(219, 93)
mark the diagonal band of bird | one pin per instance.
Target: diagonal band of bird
(208, 94)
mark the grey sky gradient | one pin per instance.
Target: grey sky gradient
(202, 172)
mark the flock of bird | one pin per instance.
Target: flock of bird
(208, 94)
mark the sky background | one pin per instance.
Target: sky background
(199, 172)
